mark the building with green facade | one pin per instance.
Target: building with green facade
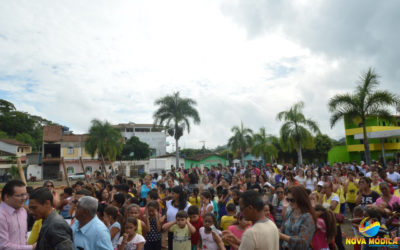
(383, 137)
(205, 160)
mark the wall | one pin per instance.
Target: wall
(35, 170)
(206, 162)
(338, 154)
(156, 140)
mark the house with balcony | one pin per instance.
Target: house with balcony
(383, 138)
(60, 143)
(10, 149)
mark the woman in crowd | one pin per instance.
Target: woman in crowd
(177, 203)
(300, 177)
(387, 199)
(366, 196)
(350, 188)
(277, 203)
(311, 180)
(50, 186)
(145, 188)
(104, 200)
(298, 225)
(290, 180)
(375, 183)
(330, 200)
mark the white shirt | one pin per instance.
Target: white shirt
(207, 240)
(132, 245)
(393, 177)
(172, 211)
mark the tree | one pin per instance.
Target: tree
(140, 150)
(294, 133)
(174, 113)
(6, 106)
(322, 146)
(263, 146)
(241, 140)
(104, 140)
(26, 138)
(364, 102)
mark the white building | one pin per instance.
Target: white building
(154, 137)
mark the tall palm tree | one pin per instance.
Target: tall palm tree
(173, 114)
(294, 133)
(104, 140)
(241, 140)
(364, 102)
(263, 145)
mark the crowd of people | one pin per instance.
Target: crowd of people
(224, 207)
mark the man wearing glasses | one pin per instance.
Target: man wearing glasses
(13, 217)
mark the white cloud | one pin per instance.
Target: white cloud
(72, 61)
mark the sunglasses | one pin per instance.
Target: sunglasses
(290, 200)
(279, 192)
(49, 186)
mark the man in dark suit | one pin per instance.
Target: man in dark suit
(55, 232)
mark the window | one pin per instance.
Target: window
(70, 150)
(142, 129)
(70, 170)
(129, 129)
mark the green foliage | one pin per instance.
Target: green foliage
(364, 102)
(13, 122)
(295, 132)
(263, 146)
(140, 149)
(322, 146)
(241, 140)
(174, 113)
(13, 170)
(26, 138)
(104, 140)
(3, 134)
(142, 175)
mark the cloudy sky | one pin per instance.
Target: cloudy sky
(242, 60)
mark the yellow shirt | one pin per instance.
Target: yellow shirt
(351, 194)
(194, 201)
(139, 227)
(226, 221)
(162, 196)
(340, 192)
(33, 237)
(327, 202)
(376, 188)
(397, 193)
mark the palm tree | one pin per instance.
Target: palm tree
(263, 145)
(241, 140)
(294, 133)
(104, 140)
(362, 103)
(173, 114)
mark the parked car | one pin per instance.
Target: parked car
(77, 176)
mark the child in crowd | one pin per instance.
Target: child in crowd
(131, 240)
(194, 198)
(161, 193)
(235, 199)
(268, 211)
(238, 229)
(206, 203)
(228, 219)
(182, 230)
(358, 215)
(153, 221)
(133, 211)
(111, 215)
(326, 228)
(197, 222)
(210, 237)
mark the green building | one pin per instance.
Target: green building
(205, 160)
(383, 137)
